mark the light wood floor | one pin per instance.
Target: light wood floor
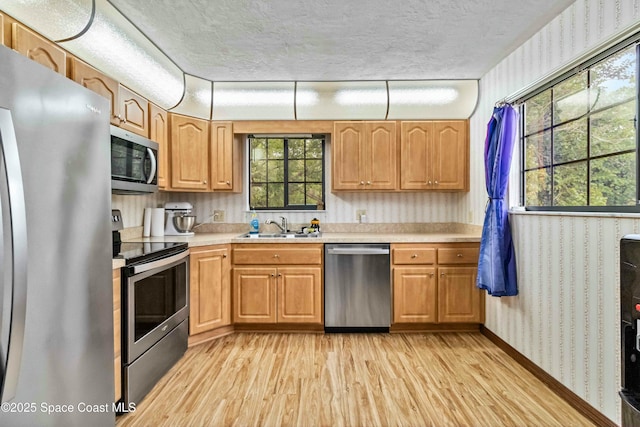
(459, 379)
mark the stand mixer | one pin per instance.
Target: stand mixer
(173, 210)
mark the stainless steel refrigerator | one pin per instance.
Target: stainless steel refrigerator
(56, 326)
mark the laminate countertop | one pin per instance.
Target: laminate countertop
(205, 239)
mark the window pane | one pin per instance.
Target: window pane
(538, 112)
(296, 148)
(314, 171)
(296, 170)
(276, 170)
(614, 79)
(258, 198)
(571, 99)
(296, 194)
(570, 185)
(538, 187)
(258, 149)
(276, 148)
(314, 148)
(612, 130)
(276, 195)
(259, 171)
(570, 141)
(314, 194)
(538, 150)
(613, 181)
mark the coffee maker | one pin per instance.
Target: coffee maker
(174, 210)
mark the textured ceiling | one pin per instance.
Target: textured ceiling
(241, 40)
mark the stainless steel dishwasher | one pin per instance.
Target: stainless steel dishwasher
(357, 288)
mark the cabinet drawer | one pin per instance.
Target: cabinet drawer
(277, 254)
(414, 255)
(458, 255)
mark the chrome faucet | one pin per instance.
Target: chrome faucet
(283, 228)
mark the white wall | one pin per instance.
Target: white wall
(565, 318)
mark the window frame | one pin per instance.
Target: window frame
(585, 66)
(287, 207)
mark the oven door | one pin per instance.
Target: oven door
(157, 300)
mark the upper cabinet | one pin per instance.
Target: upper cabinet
(226, 158)
(159, 132)
(189, 153)
(94, 80)
(37, 48)
(364, 156)
(134, 112)
(434, 155)
(2, 41)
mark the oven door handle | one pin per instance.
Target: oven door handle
(159, 263)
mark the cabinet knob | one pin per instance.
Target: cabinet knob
(228, 183)
(441, 274)
(414, 256)
(368, 182)
(430, 274)
(276, 256)
(279, 274)
(429, 182)
(436, 182)
(273, 274)
(204, 182)
(361, 182)
(224, 255)
(459, 255)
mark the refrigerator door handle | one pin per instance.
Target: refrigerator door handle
(13, 262)
(154, 165)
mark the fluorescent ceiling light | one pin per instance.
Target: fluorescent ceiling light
(424, 96)
(360, 96)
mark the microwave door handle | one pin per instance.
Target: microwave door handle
(13, 259)
(154, 165)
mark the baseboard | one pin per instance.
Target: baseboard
(405, 328)
(279, 327)
(556, 386)
(210, 335)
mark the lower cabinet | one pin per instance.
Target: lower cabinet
(285, 288)
(209, 281)
(117, 357)
(436, 283)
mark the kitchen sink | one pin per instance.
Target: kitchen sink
(280, 236)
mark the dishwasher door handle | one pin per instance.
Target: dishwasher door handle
(358, 251)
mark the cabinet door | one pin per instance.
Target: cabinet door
(94, 80)
(299, 295)
(415, 295)
(381, 164)
(189, 153)
(348, 156)
(134, 112)
(2, 41)
(458, 298)
(222, 156)
(416, 156)
(159, 132)
(117, 328)
(254, 295)
(450, 167)
(210, 301)
(39, 49)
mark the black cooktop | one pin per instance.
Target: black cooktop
(137, 252)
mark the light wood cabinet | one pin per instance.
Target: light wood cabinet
(210, 289)
(434, 155)
(436, 283)
(270, 292)
(189, 147)
(94, 80)
(364, 156)
(133, 112)
(2, 41)
(159, 132)
(458, 298)
(37, 48)
(117, 328)
(226, 158)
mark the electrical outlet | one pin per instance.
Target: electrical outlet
(359, 213)
(218, 216)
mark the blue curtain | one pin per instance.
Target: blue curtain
(497, 262)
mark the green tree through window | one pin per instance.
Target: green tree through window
(286, 173)
(579, 139)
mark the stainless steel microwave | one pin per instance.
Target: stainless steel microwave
(134, 163)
